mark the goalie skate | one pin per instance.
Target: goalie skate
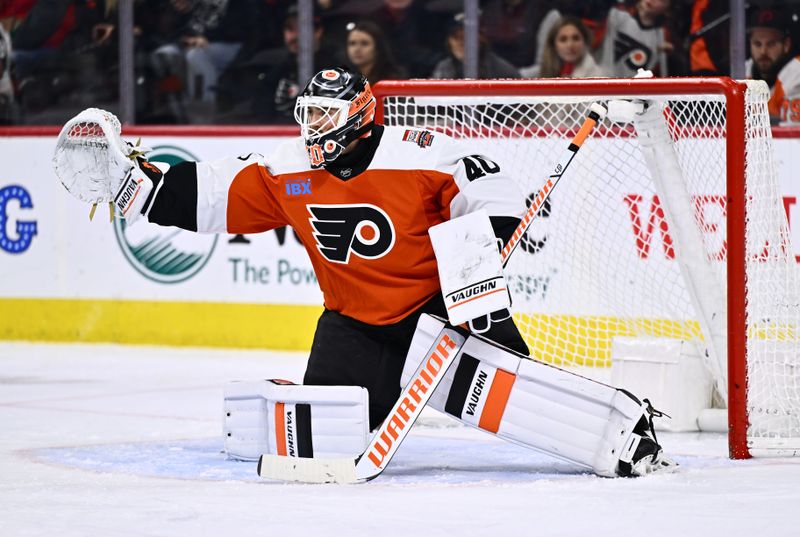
(643, 455)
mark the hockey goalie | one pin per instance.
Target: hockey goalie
(404, 228)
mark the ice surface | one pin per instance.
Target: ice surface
(102, 440)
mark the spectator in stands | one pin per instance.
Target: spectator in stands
(217, 31)
(161, 62)
(709, 38)
(6, 89)
(768, 33)
(62, 49)
(507, 26)
(592, 14)
(566, 53)
(636, 38)
(769, 41)
(264, 87)
(368, 52)
(413, 33)
(490, 65)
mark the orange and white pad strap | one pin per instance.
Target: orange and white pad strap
(470, 271)
(292, 420)
(533, 404)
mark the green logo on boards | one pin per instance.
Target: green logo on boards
(164, 254)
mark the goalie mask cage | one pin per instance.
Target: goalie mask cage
(667, 225)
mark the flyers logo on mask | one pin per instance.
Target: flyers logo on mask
(315, 156)
(339, 230)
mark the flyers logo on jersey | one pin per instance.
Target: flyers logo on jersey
(632, 53)
(363, 229)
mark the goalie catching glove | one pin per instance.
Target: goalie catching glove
(96, 166)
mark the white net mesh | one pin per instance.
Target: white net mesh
(773, 299)
(611, 253)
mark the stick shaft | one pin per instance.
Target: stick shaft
(596, 113)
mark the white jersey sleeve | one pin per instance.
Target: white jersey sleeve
(483, 183)
(231, 195)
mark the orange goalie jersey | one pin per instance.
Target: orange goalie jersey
(366, 233)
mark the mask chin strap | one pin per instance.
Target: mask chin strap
(361, 131)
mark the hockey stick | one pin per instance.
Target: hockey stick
(596, 113)
(389, 435)
(429, 374)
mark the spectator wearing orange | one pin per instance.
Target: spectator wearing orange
(709, 38)
(768, 36)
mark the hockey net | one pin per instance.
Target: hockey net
(647, 235)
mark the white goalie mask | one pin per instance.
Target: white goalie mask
(335, 108)
(318, 116)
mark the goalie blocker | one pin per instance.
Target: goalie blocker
(543, 407)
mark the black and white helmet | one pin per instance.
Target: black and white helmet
(335, 108)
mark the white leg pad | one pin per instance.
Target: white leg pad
(294, 420)
(533, 404)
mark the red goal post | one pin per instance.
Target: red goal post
(715, 126)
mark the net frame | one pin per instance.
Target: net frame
(734, 93)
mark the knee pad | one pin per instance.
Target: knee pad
(531, 403)
(276, 417)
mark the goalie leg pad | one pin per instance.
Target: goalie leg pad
(294, 420)
(534, 404)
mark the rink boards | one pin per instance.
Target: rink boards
(64, 278)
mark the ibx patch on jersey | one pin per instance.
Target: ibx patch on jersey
(297, 187)
(421, 138)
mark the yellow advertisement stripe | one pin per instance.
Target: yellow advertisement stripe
(202, 324)
(557, 339)
(586, 341)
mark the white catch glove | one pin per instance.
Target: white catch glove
(96, 166)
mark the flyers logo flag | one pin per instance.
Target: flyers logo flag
(632, 53)
(363, 229)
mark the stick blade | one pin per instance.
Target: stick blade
(305, 470)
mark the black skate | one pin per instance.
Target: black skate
(643, 455)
